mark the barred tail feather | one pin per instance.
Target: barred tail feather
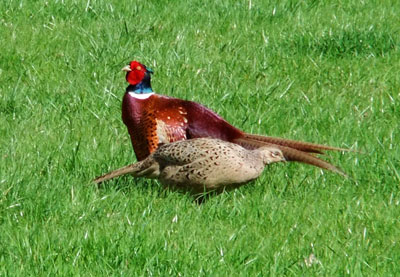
(299, 145)
(148, 168)
(129, 169)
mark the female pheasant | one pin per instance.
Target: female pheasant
(202, 164)
(154, 119)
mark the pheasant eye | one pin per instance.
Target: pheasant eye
(275, 154)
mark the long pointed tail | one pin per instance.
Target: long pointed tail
(292, 154)
(129, 169)
(148, 168)
(299, 145)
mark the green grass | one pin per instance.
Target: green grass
(320, 71)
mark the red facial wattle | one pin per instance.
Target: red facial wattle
(136, 73)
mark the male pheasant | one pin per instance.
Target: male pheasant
(201, 165)
(154, 119)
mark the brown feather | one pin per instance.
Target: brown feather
(146, 168)
(113, 174)
(299, 145)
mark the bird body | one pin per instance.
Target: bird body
(160, 119)
(154, 119)
(203, 164)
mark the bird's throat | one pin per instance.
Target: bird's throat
(141, 88)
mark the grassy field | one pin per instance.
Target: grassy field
(320, 71)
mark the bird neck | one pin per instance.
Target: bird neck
(141, 88)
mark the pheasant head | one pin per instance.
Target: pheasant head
(271, 155)
(138, 77)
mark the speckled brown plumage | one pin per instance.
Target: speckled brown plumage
(202, 164)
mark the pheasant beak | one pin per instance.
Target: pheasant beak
(127, 68)
(278, 156)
